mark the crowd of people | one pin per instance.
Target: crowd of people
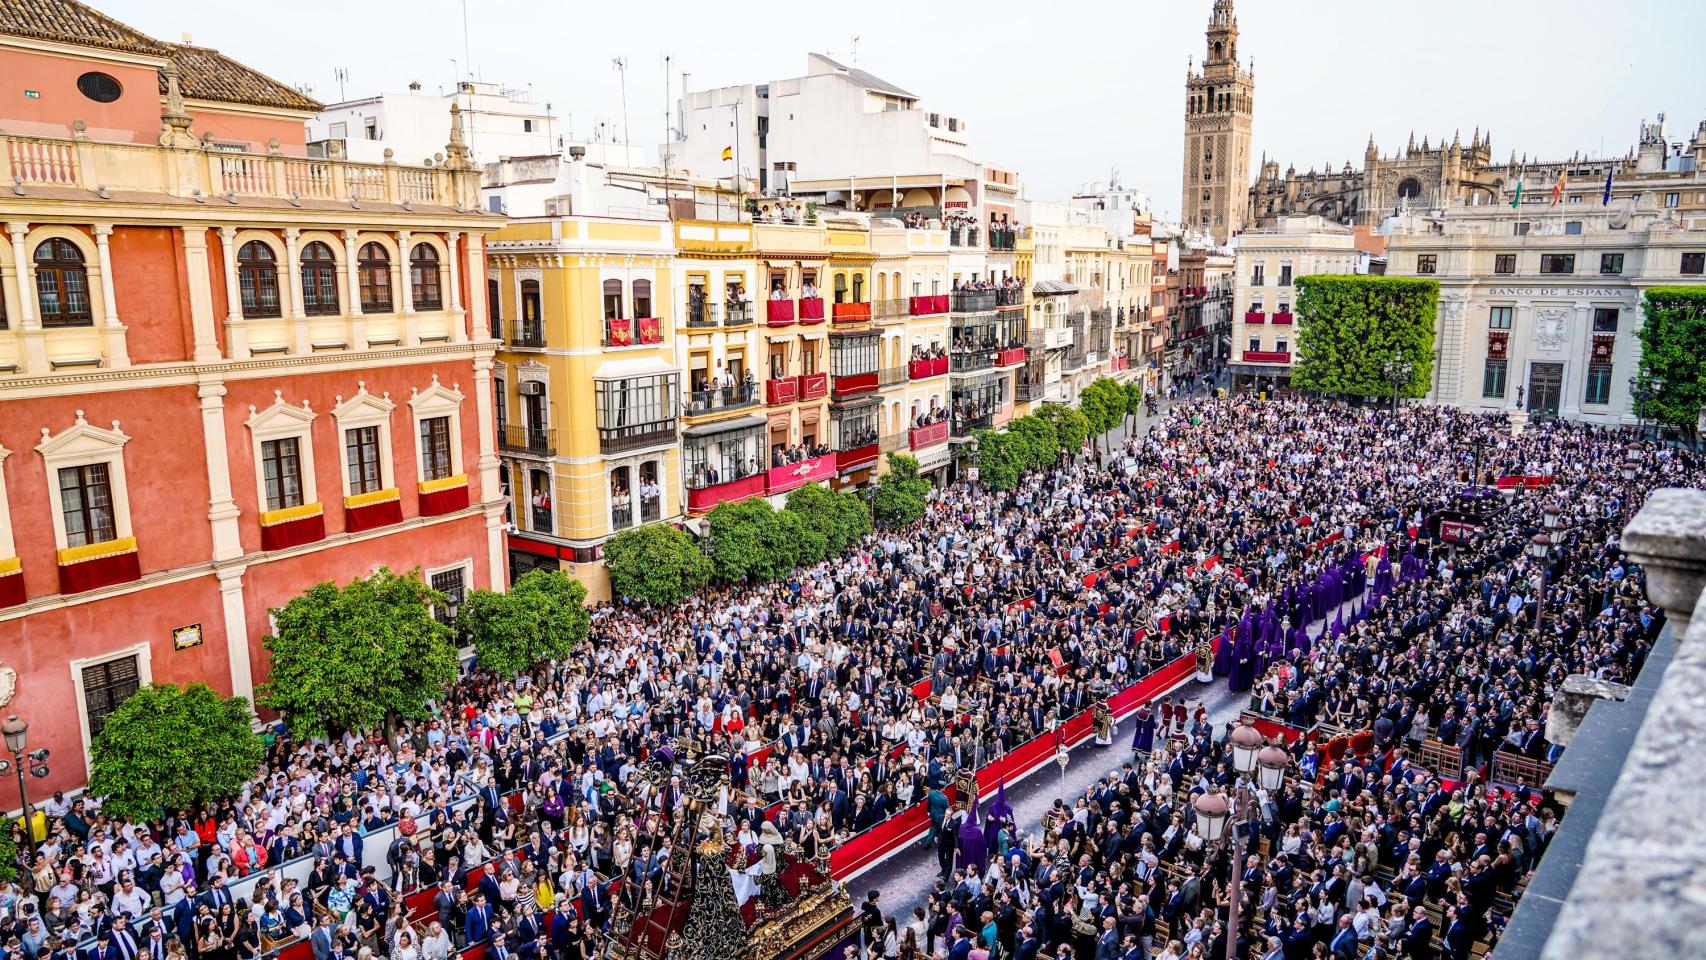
(1372, 856)
(821, 667)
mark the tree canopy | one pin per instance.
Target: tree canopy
(1103, 404)
(750, 541)
(1673, 357)
(1070, 426)
(1000, 459)
(657, 563)
(1037, 440)
(833, 521)
(902, 494)
(1349, 327)
(360, 657)
(168, 748)
(542, 617)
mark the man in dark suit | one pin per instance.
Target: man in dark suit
(479, 923)
(1418, 940)
(322, 940)
(595, 900)
(1344, 946)
(444, 901)
(1029, 945)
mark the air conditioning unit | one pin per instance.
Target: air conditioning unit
(531, 388)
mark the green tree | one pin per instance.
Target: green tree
(1000, 459)
(359, 658)
(1134, 400)
(902, 494)
(1350, 327)
(542, 617)
(1103, 405)
(814, 504)
(1071, 427)
(750, 542)
(1037, 439)
(1673, 357)
(657, 563)
(168, 748)
(852, 520)
(9, 847)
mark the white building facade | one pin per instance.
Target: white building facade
(496, 123)
(1539, 306)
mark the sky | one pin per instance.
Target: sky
(1063, 92)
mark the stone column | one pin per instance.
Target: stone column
(236, 337)
(201, 295)
(410, 335)
(477, 321)
(1636, 894)
(222, 511)
(458, 322)
(1668, 539)
(34, 359)
(352, 295)
(235, 615)
(112, 330)
(292, 284)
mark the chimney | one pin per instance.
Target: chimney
(577, 179)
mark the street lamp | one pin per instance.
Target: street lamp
(1398, 371)
(1538, 548)
(1550, 513)
(1251, 754)
(16, 734)
(1643, 391)
(1631, 465)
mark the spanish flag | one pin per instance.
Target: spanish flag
(1558, 188)
(728, 153)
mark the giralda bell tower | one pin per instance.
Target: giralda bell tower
(1218, 103)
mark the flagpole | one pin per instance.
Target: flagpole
(739, 187)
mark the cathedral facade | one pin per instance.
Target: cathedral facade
(1419, 178)
(1219, 102)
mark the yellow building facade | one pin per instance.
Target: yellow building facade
(589, 391)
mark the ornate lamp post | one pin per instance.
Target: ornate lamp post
(1251, 755)
(1642, 391)
(1398, 371)
(1538, 548)
(16, 733)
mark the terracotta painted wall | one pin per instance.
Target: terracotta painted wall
(165, 472)
(153, 304)
(41, 647)
(133, 117)
(276, 583)
(252, 130)
(216, 279)
(322, 390)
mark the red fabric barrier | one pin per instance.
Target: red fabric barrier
(294, 533)
(883, 839)
(444, 501)
(99, 572)
(921, 689)
(1172, 547)
(357, 519)
(1274, 730)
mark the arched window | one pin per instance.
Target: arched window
(319, 280)
(423, 278)
(858, 288)
(62, 285)
(494, 308)
(613, 300)
(373, 266)
(642, 298)
(841, 288)
(621, 499)
(257, 279)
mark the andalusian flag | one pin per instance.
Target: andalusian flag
(1516, 200)
(728, 153)
(1558, 188)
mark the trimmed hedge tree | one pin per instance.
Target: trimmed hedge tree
(1673, 357)
(1350, 326)
(358, 658)
(656, 563)
(167, 748)
(1070, 427)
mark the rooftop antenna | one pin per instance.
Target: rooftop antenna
(668, 152)
(466, 56)
(855, 50)
(621, 65)
(342, 75)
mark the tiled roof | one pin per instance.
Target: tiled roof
(67, 21)
(205, 74)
